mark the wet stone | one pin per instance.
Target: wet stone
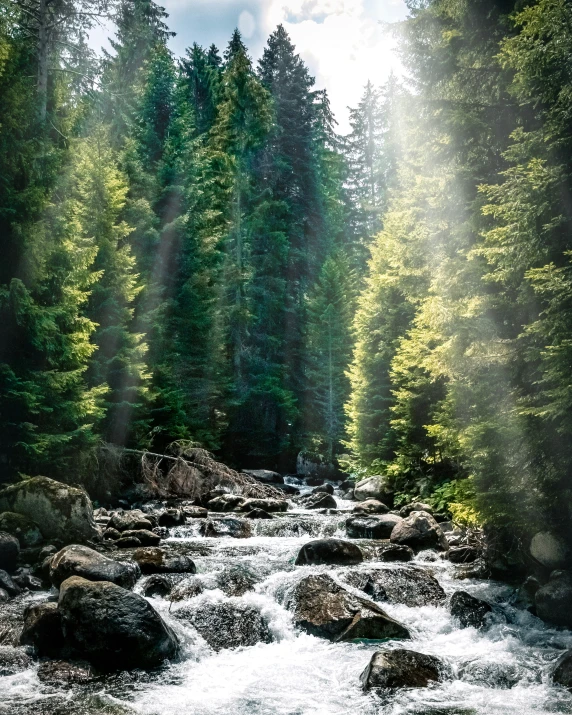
(405, 585)
(401, 668)
(470, 611)
(329, 551)
(13, 660)
(65, 673)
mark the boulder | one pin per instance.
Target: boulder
(370, 506)
(227, 624)
(325, 609)
(7, 584)
(327, 488)
(157, 585)
(318, 500)
(78, 560)
(155, 560)
(258, 514)
(236, 580)
(562, 672)
(172, 517)
(60, 511)
(406, 510)
(546, 548)
(372, 527)
(43, 630)
(553, 600)
(268, 505)
(225, 502)
(407, 585)
(23, 528)
(4, 596)
(402, 668)
(230, 526)
(13, 660)
(265, 476)
(195, 512)
(463, 554)
(128, 542)
(111, 535)
(186, 589)
(394, 552)
(26, 580)
(420, 531)
(374, 488)
(130, 521)
(9, 551)
(144, 537)
(470, 611)
(62, 673)
(113, 628)
(490, 674)
(329, 551)
(477, 569)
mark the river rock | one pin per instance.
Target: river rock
(327, 488)
(225, 502)
(407, 585)
(60, 511)
(372, 527)
(258, 514)
(111, 535)
(386, 551)
(546, 548)
(265, 476)
(172, 517)
(329, 551)
(128, 542)
(553, 601)
(186, 589)
(113, 628)
(195, 512)
(420, 531)
(406, 510)
(23, 528)
(78, 560)
(229, 526)
(143, 536)
(236, 580)
(470, 611)
(43, 630)
(157, 585)
(490, 674)
(9, 551)
(153, 559)
(401, 668)
(370, 506)
(62, 673)
(4, 596)
(477, 569)
(13, 660)
(374, 488)
(318, 500)
(325, 609)
(8, 584)
(130, 521)
(562, 672)
(268, 505)
(227, 624)
(463, 554)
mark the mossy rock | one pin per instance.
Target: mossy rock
(60, 511)
(23, 528)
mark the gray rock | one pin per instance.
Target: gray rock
(225, 502)
(23, 528)
(195, 512)
(258, 514)
(228, 624)
(145, 537)
(372, 527)
(236, 580)
(394, 552)
(13, 660)
(265, 476)
(157, 585)
(60, 511)
(64, 673)
(407, 585)
(420, 531)
(317, 500)
(111, 535)
(229, 526)
(402, 668)
(128, 542)
(463, 554)
(186, 589)
(562, 671)
(325, 609)
(43, 630)
(490, 674)
(172, 517)
(553, 600)
(547, 549)
(329, 551)
(113, 628)
(269, 505)
(9, 551)
(470, 611)
(374, 488)
(153, 559)
(4, 595)
(327, 488)
(130, 521)
(77, 560)
(406, 510)
(370, 506)
(8, 585)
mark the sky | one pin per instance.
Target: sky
(343, 42)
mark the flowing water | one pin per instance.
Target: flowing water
(502, 670)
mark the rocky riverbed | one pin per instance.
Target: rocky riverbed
(254, 609)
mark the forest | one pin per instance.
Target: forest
(193, 254)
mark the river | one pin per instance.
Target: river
(501, 670)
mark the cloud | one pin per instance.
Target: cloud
(246, 24)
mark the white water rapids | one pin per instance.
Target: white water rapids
(502, 670)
